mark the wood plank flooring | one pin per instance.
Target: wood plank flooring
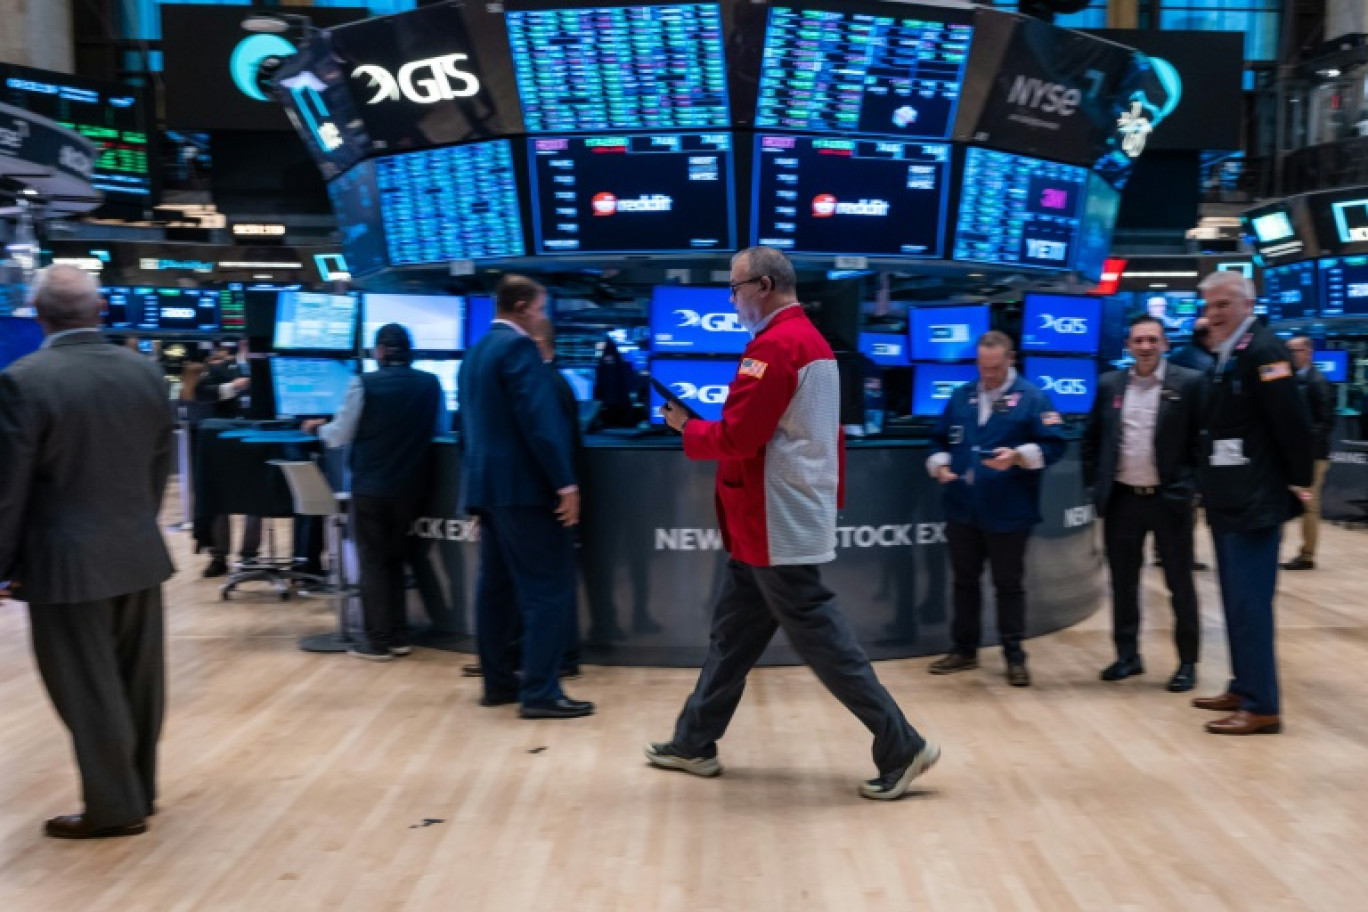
(294, 781)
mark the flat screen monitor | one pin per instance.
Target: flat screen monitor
(590, 67)
(857, 68)
(19, 336)
(1292, 291)
(1177, 309)
(479, 314)
(1061, 324)
(1018, 211)
(946, 333)
(850, 196)
(654, 193)
(436, 323)
(148, 309)
(310, 387)
(356, 205)
(581, 380)
(1100, 209)
(932, 385)
(313, 321)
(702, 384)
(885, 349)
(447, 372)
(1069, 382)
(1334, 364)
(699, 321)
(455, 203)
(1344, 286)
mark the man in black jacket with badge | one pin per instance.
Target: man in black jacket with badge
(1256, 464)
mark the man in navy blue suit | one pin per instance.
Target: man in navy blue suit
(518, 477)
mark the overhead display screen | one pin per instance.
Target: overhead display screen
(659, 193)
(1019, 211)
(695, 321)
(356, 204)
(1067, 324)
(946, 333)
(850, 196)
(161, 309)
(1292, 291)
(844, 70)
(457, 203)
(1344, 286)
(642, 67)
(1101, 205)
(307, 320)
(435, 322)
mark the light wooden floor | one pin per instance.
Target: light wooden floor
(295, 781)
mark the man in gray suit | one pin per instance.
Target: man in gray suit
(85, 449)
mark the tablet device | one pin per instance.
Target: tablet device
(672, 397)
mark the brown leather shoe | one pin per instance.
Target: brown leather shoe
(1246, 723)
(75, 826)
(1225, 703)
(1018, 675)
(952, 663)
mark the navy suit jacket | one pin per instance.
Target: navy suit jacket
(516, 438)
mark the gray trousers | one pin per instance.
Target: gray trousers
(103, 664)
(755, 602)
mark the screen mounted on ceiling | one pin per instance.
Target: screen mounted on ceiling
(1019, 211)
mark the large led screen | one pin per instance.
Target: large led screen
(1018, 211)
(1064, 324)
(699, 321)
(307, 387)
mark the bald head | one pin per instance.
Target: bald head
(67, 298)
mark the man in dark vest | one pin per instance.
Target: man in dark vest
(389, 417)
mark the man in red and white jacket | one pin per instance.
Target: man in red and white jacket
(780, 461)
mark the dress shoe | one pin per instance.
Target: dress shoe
(498, 699)
(571, 673)
(1226, 703)
(1018, 675)
(1123, 668)
(1246, 723)
(952, 663)
(75, 826)
(217, 567)
(1299, 563)
(473, 670)
(1200, 566)
(1184, 679)
(564, 708)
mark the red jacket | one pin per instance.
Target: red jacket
(781, 455)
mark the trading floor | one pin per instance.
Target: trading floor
(299, 781)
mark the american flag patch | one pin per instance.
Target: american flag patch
(750, 367)
(1050, 419)
(1278, 370)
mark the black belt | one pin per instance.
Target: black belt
(1140, 490)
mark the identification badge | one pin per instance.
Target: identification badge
(1228, 453)
(956, 434)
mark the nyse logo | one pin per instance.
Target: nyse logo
(1065, 326)
(890, 536)
(1046, 250)
(1065, 386)
(713, 322)
(710, 395)
(422, 81)
(1046, 97)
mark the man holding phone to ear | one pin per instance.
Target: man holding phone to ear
(992, 443)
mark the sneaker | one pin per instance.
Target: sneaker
(667, 756)
(371, 653)
(894, 784)
(952, 663)
(217, 567)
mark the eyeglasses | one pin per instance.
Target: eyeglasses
(736, 285)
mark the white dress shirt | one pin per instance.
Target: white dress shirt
(1135, 463)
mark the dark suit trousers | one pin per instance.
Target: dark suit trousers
(1130, 517)
(104, 667)
(527, 571)
(1005, 553)
(756, 601)
(381, 526)
(1247, 563)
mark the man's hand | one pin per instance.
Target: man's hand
(944, 475)
(1003, 458)
(241, 384)
(674, 417)
(567, 511)
(312, 425)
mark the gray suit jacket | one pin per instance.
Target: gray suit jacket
(85, 450)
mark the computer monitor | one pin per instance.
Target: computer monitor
(932, 385)
(448, 373)
(885, 349)
(946, 333)
(696, 321)
(1334, 365)
(702, 384)
(581, 380)
(436, 323)
(310, 387)
(19, 336)
(1061, 324)
(1070, 383)
(149, 309)
(1344, 286)
(313, 321)
(479, 314)
(1292, 292)
(1017, 211)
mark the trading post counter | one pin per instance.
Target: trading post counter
(652, 562)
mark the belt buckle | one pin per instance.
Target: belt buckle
(1144, 490)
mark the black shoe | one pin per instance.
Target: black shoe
(75, 826)
(498, 699)
(371, 653)
(472, 670)
(1299, 563)
(894, 784)
(1123, 668)
(571, 673)
(564, 708)
(1017, 674)
(1200, 566)
(217, 567)
(1184, 679)
(952, 663)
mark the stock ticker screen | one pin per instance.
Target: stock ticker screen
(1019, 211)
(1292, 291)
(162, 309)
(658, 193)
(454, 203)
(646, 67)
(850, 196)
(846, 71)
(1344, 286)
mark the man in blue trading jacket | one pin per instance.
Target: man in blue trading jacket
(992, 443)
(389, 417)
(1255, 464)
(518, 477)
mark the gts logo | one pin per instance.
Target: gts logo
(1065, 386)
(437, 73)
(713, 322)
(1065, 326)
(711, 395)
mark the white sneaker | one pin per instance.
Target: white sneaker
(667, 756)
(894, 785)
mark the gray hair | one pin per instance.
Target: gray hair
(766, 261)
(1231, 280)
(67, 298)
